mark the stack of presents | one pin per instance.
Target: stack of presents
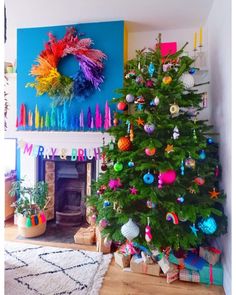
(92, 234)
(198, 265)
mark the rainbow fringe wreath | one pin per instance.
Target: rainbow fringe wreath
(60, 87)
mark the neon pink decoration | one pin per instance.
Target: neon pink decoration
(168, 48)
(168, 177)
(43, 217)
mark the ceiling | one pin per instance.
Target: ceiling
(141, 15)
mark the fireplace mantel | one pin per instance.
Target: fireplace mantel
(59, 140)
(66, 139)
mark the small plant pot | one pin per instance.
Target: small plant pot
(32, 231)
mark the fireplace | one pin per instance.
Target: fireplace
(68, 184)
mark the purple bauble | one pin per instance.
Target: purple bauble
(129, 98)
(149, 128)
(149, 83)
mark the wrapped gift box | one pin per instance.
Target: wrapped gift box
(122, 260)
(85, 236)
(137, 265)
(172, 276)
(189, 275)
(194, 262)
(161, 260)
(103, 244)
(210, 254)
(173, 259)
(212, 274)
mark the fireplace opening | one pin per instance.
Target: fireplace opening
(68, 184)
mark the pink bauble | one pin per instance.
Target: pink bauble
(150, 151)
(168, 177)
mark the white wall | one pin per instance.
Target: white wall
(219, 30)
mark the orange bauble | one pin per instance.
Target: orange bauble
(124, 143)
(167, 80)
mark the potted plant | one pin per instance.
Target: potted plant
(29, 207)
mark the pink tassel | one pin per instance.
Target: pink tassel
(43, 217)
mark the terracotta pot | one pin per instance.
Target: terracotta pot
(32, 231)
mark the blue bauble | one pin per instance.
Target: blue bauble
(202, 155)
(106, 204)
(148, 178)
(192, 71)
(210, 140)
(131, 164)
(208, 225)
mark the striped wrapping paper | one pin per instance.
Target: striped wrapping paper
(189, 275)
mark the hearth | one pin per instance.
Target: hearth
(68, 184)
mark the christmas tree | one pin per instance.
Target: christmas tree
(162, 170)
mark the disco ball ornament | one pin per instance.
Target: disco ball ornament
(150, 151)
(168, 177)
(124, 143)
(149, 128)
(190, 163)
(156, 101)
(208, 225)
(122, 106)
(130, 230)
(187, 80)
(118, 167)
(148, 178)
(151, 205)
(129, 98)
(130, 164)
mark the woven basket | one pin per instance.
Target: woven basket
(29, 232)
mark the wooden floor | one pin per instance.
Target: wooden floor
(118, 282)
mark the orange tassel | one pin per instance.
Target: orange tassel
(32, 220)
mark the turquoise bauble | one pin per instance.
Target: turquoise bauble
(148, 178)
(208, 225)
(131, 164)
(202, 155)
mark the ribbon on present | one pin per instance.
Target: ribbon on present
(128, 248)
(214, 250)
(211, 274)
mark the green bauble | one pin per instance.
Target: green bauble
(118, 167)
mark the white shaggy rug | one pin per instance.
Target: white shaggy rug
(38, 270)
